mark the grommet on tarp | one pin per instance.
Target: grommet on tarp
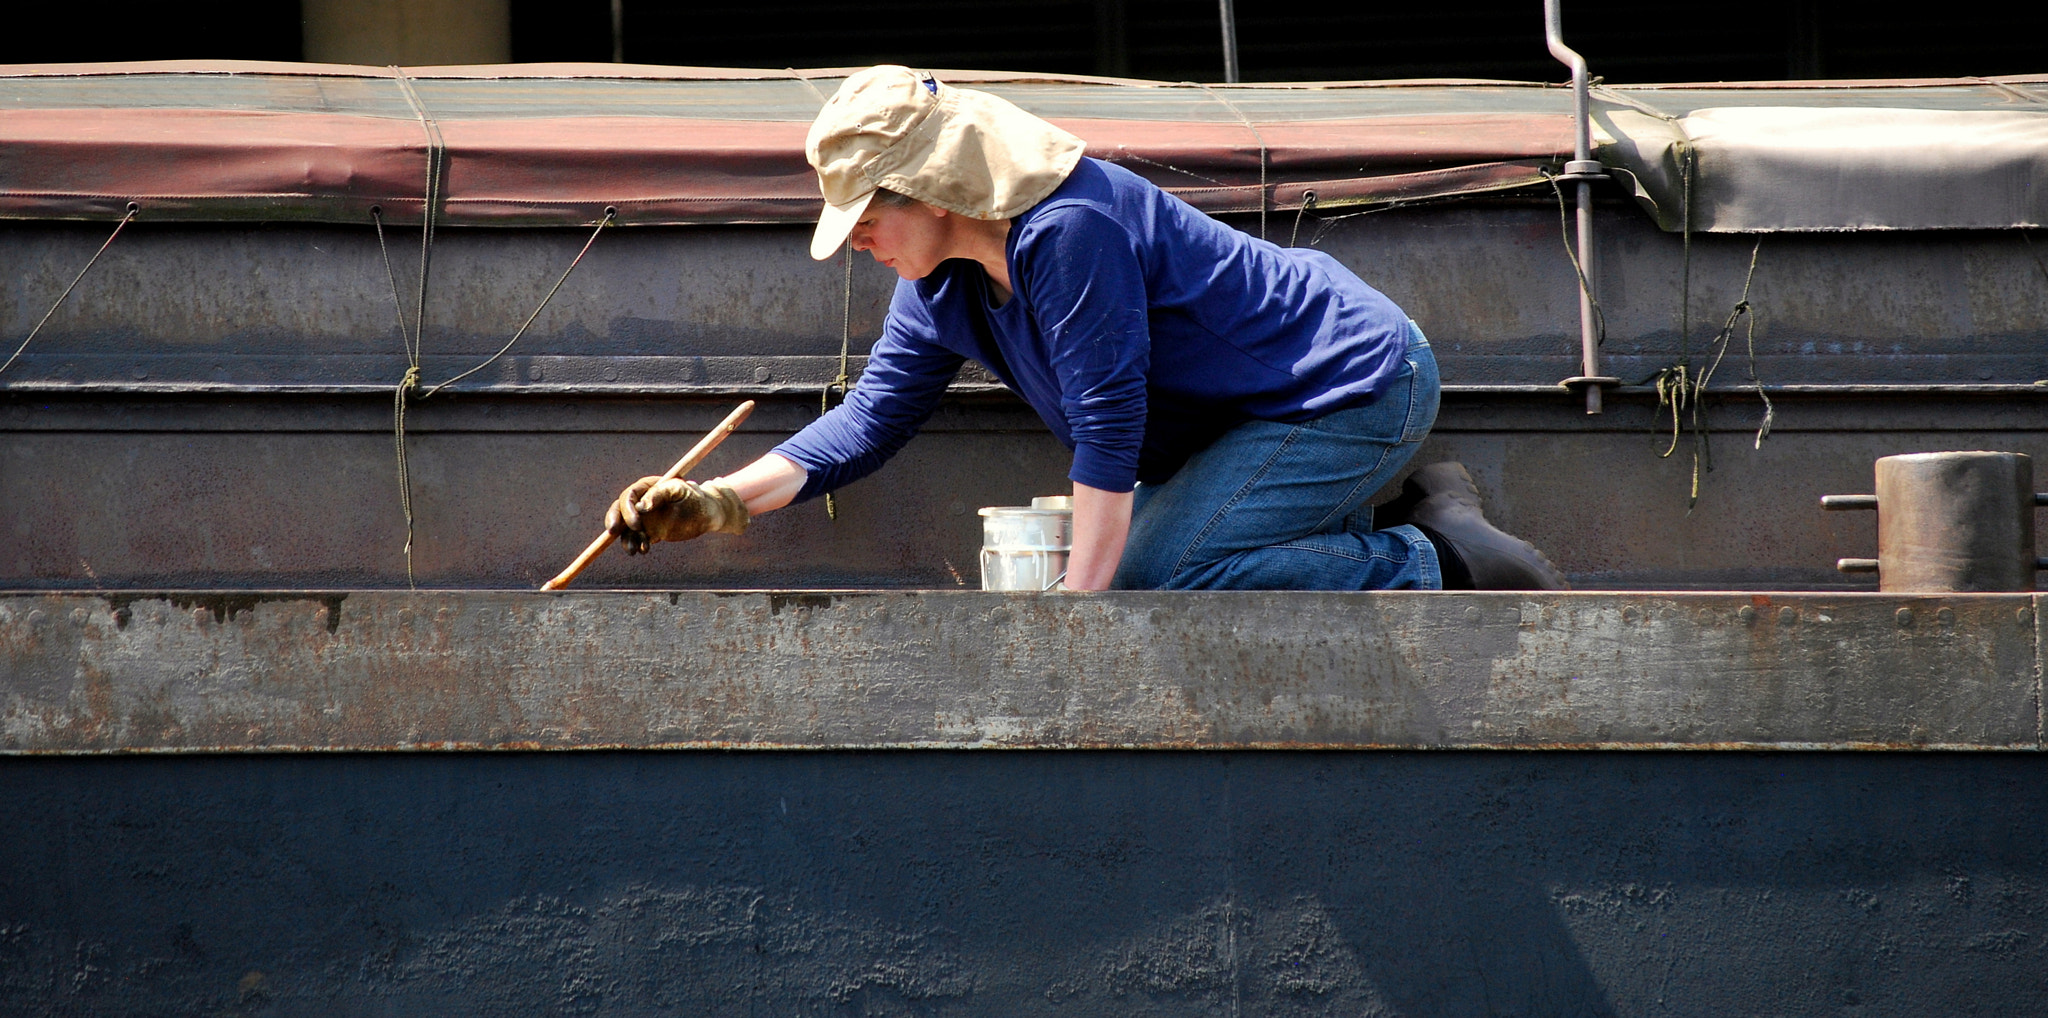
(1950, 522)
(1308, 201)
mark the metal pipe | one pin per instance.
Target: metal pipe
(1950, 521)
(1553, 34)
(1580, 172)
(1228, 12)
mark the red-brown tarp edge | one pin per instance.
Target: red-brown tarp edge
(225, 165)
(234, 141)
(663, 72)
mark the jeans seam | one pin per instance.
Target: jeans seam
(1407, 420)
(1215, 518)
(1352, 495)
(1367, 557)
(1422, 549)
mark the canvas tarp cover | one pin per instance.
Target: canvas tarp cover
(1853, 156)
(558, 144)
(555, 145)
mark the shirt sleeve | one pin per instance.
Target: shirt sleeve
(906, 374)
(1081, 277)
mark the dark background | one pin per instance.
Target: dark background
(1177, 40)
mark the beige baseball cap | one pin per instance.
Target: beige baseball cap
(961, 150)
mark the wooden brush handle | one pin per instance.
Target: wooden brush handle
(683, 466)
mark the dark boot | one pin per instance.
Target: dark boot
(1444, 504)
(1446, 478)
(1436, 478)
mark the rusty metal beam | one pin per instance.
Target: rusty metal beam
(178, 308)
(506, 488)
(172, 672)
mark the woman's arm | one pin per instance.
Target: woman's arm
(906, 376)
(767, 483)
(1102, 521)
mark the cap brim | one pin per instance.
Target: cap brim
(835, 223)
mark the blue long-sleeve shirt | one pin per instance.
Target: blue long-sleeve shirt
(1139, 328)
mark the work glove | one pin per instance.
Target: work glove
(651, 509)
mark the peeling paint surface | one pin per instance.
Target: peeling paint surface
(169, 671)
(203, 813)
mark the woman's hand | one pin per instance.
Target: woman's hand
(652, 509)
(1102, 521)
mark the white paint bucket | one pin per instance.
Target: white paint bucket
(1026, 547)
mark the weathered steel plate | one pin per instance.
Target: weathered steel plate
(145, 672)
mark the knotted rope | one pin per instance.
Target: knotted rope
(842, 380)
(1679, 392)
(409, 382)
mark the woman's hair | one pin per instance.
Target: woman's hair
(892, 199)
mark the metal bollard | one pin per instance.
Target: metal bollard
(1950, 522)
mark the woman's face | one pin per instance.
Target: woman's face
(912, 239)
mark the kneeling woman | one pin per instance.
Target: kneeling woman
(1231, 404)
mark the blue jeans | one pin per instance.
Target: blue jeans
(1273, 506)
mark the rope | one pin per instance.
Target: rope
(1327, 224)
(845, 321)
(1676, 390)
(1674, 383)
(807, 84)
(1689, 159)
(410, 382)
(1121, 156)
(406, 384)
(1308, 198)
(47, 315)
(397, 302)
(437, 152)
(436, 157)
(1743, 311)
(610, 213)
(845, 349)
(1249, 126)
(1564, 227)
